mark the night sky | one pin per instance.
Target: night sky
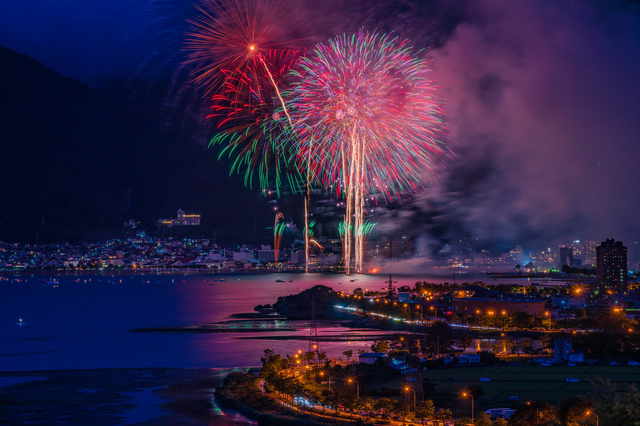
(542, 99)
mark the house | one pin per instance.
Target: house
(370, 357)
(576, 356)
(468, 359)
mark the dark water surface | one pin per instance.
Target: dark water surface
(88, 321)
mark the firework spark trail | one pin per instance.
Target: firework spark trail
(242, 52)
(277, 234)
(370, 106)
(275, 86)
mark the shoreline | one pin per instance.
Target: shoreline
(155, 396)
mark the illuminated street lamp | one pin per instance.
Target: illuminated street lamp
(471, 396)
(414, 396)
(546, 314)
(597, 418)
(357, 388)
(322, 374)
(434, 310)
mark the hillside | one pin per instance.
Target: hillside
(76, 162)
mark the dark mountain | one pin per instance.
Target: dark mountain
(76, 163)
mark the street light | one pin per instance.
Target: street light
(322, 374)
(471, 396)
(414, 396)
(597, 418)
(357, 388)
(549, 318)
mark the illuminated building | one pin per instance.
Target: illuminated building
(611, 273)
(585, 250)
(377, 250)
(516, 254)
(402, 249)
(566, 257)
(182, 220)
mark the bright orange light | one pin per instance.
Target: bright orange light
(252, 47)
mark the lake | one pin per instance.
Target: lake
(87, 321)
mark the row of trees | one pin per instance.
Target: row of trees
(342, 395)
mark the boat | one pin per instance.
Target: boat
(280, 281)
(20, 322)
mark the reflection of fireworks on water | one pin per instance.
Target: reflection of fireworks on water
(242, 52)
(367, 122)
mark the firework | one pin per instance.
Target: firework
(367, 122)
(242, 53)
(246, 40)
(277, 234)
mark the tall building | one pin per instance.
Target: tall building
(585, 250)
(378, 250)
(402, 249)
(611, 270)
(566, 257)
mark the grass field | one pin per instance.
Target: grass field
(531, 382)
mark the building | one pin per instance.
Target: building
(486, 306)
(566, 257)
(611, 273)
(469, 359)
(188, 219)
(378, 250)
(584, 251)
(562, 349)
(181, 220)
(402, 249)
(370, 357)
(266, 255)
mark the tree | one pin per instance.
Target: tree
(348, 354)
(385, 405)
(358, 292)
(617, 404)
(439, 338)
(380, 346)
(465, 340)
(424, 410)
(534, 414)
(483, 420)
(442, 414)
(500, 422)
(580, 313)
(365, 404)
(572, 411)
